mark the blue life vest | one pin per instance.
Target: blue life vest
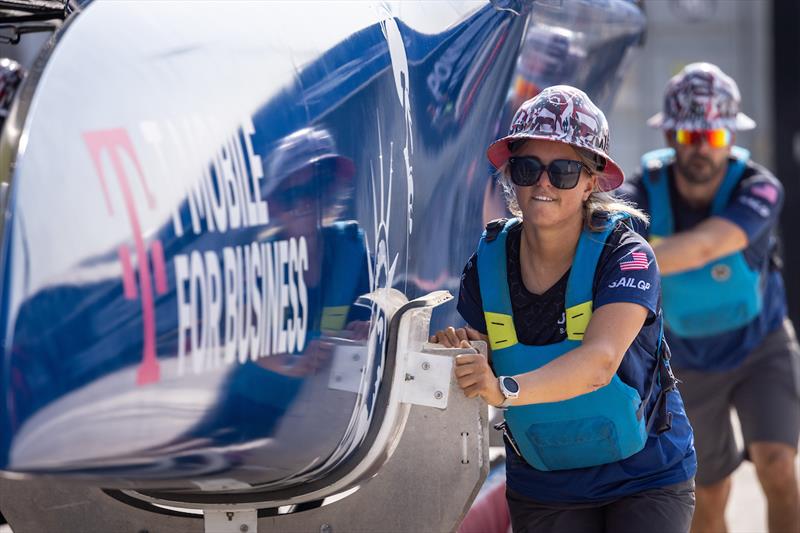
(724, 294)
(603, 426)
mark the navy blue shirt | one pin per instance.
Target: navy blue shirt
(754, 206)
(622, 275)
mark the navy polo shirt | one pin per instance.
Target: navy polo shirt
(623, 274)
(754, 206)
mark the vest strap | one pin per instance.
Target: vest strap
(732, 178)
(662, 374)
(579, 302)
(494, 228)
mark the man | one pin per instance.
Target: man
(714, 216)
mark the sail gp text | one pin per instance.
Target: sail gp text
(245, 301)
(630, 283)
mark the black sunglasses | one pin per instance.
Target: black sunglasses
(526, 171)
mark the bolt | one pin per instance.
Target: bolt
(426, 366)
(244, 528)
(337, 379)
(325, 528)
(438, 395)
(356, 357)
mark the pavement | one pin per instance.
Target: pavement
(746, 511)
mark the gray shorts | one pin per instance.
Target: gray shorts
(764, 390)
(663, 510)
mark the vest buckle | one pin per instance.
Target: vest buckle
(508, 438)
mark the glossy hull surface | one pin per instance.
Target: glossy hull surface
(201, 195)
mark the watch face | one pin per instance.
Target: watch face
(511, 385)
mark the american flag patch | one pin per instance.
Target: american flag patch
(637, 261)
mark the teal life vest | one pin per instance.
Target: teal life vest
(720, 296)
(346, 247)
(603, 426)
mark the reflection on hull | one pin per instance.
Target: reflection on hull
(183, 255)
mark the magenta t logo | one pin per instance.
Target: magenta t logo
(114, 143)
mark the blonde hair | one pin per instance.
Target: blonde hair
(597, 206)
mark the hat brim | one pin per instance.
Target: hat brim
(741, 123)
(344, 166)
(609, 179)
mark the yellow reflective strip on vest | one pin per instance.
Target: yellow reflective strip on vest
(501, 330)
(578, 320)
(333, 318)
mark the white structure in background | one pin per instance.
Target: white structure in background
(736, 36)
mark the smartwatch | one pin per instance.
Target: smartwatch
(510, 389)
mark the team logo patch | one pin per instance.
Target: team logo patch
(766, 191)
(637, 261)
(721, 272)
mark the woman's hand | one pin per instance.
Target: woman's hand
(451, 337)
(475, 377)
(473, 373)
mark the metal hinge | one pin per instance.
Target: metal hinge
(238, 521)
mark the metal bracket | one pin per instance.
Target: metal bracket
(427, 379)
(429, 373)
(238, 521)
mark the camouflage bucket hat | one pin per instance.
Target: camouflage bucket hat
(564, 114)
(701, 97)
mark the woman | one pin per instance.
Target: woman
(567, 296)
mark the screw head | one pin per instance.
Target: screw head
(426, 365)
(325, 528)
(243, 528)
(438, 395)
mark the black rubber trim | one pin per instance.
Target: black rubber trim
(147, 506)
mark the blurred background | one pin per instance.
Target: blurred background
(736, 35)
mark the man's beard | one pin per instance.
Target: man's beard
(697, 169)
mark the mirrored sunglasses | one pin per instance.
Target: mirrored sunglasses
(718, 138)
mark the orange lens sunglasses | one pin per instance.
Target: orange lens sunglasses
(718, 138)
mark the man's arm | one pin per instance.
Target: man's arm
(711, 239)
(752, 211)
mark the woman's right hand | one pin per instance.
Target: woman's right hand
(451, 337)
